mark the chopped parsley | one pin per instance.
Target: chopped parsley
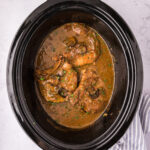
(56, 32)
(62, 80)
(72, 95)
(109, 65)
(102, 92)
(109, 86)
(76, 117)
(82, 107)
(58, 77)
(53, 103)
(97, 34)
(41, 78)
(105, 80)
(87, 113)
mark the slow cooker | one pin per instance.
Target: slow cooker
(128, 75)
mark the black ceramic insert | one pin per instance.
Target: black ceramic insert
(128, 75)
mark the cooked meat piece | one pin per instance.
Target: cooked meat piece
(93, 92)
(57, 86)
(84, 53)
(88, 94)
(81, 48)
(54, 80)
(66, 66)
(80, 28)
(47, 72)
(69, 80)
(90, 105)
(50, 92)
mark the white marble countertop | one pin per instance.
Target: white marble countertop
(13, 13)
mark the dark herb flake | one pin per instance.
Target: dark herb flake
(76, 117)
(67, 49)
(53, 49)
(103, 92)
(57, 121)
(99, 100)
(94, 84)
(53, 104)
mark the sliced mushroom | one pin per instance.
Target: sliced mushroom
(70, 41)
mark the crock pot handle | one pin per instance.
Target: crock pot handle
(95, 2)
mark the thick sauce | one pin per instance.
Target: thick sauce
(75, 75)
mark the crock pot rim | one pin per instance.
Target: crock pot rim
(11, 90)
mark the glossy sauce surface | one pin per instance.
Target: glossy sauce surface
(75, 75)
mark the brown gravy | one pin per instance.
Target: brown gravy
(72, 42)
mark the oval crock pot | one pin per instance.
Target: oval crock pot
(128, 75)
